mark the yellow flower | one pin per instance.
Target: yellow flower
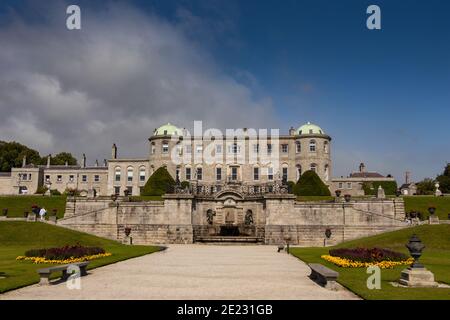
(346, 263)
(38, 260)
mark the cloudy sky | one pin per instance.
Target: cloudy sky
(382, 95)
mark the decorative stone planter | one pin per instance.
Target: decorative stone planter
(347, 198)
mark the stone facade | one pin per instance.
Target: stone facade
(237, 160)
(270, 218)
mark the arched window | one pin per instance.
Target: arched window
(142, 174)
(284, 172)
(218, 173)
(255, 173)
(152, 148)
(325, 147)
(199, 173)
(327, 172)
(117, 173)
(312, 145)
(313, 167)
(188, 173)
(298, 147)
(130, 174)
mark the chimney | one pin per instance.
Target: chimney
(24, 161)
(362, 167)
(96, 162)
(292, 131)
(83, 163)
(114, 151)
(407, 177)
(49, 157)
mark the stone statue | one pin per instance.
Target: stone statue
(248, 218)
(438, 192)
(210, 216)
(380, 193)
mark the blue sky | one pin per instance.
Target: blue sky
(383, 95)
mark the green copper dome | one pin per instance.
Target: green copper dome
(167, 130)
(310, 128)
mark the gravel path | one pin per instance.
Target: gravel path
(195, 272)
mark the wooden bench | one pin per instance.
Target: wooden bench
(323, 276)
(46, 272)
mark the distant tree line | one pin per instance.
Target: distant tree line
(427, 185)
(12, 153)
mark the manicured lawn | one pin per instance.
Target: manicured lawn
(421, 203)
(17, 205)
(436, 257)
(16, 237)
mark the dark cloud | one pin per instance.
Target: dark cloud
(121, 76)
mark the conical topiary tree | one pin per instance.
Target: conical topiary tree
(310, 184)
(159, 183)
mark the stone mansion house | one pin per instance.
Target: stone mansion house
(307, 148)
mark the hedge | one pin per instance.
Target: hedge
(310, 184)
(159, 183)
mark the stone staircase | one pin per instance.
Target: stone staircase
(230, 240)
(399, 208)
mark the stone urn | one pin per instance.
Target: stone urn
(431, 210)
(328, 233)
(338, 193)
(415, 247)
(113, 197)
(347, 197)
(127, 231)
(417, 275)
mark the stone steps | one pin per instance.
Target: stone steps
(230, 239)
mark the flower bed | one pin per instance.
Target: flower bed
(67, 254)
(363, 258)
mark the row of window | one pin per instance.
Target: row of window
(235, 148)
(25, 176)
(84, 178)
(130, 174)
(341, 185)
(256, 173)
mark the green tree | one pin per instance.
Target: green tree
(12, 153)
(444, 179)
(371, 187)
(426, 186)
(310, 184)
(159, 183)
(63, 157)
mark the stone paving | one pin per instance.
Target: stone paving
(195, 272)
